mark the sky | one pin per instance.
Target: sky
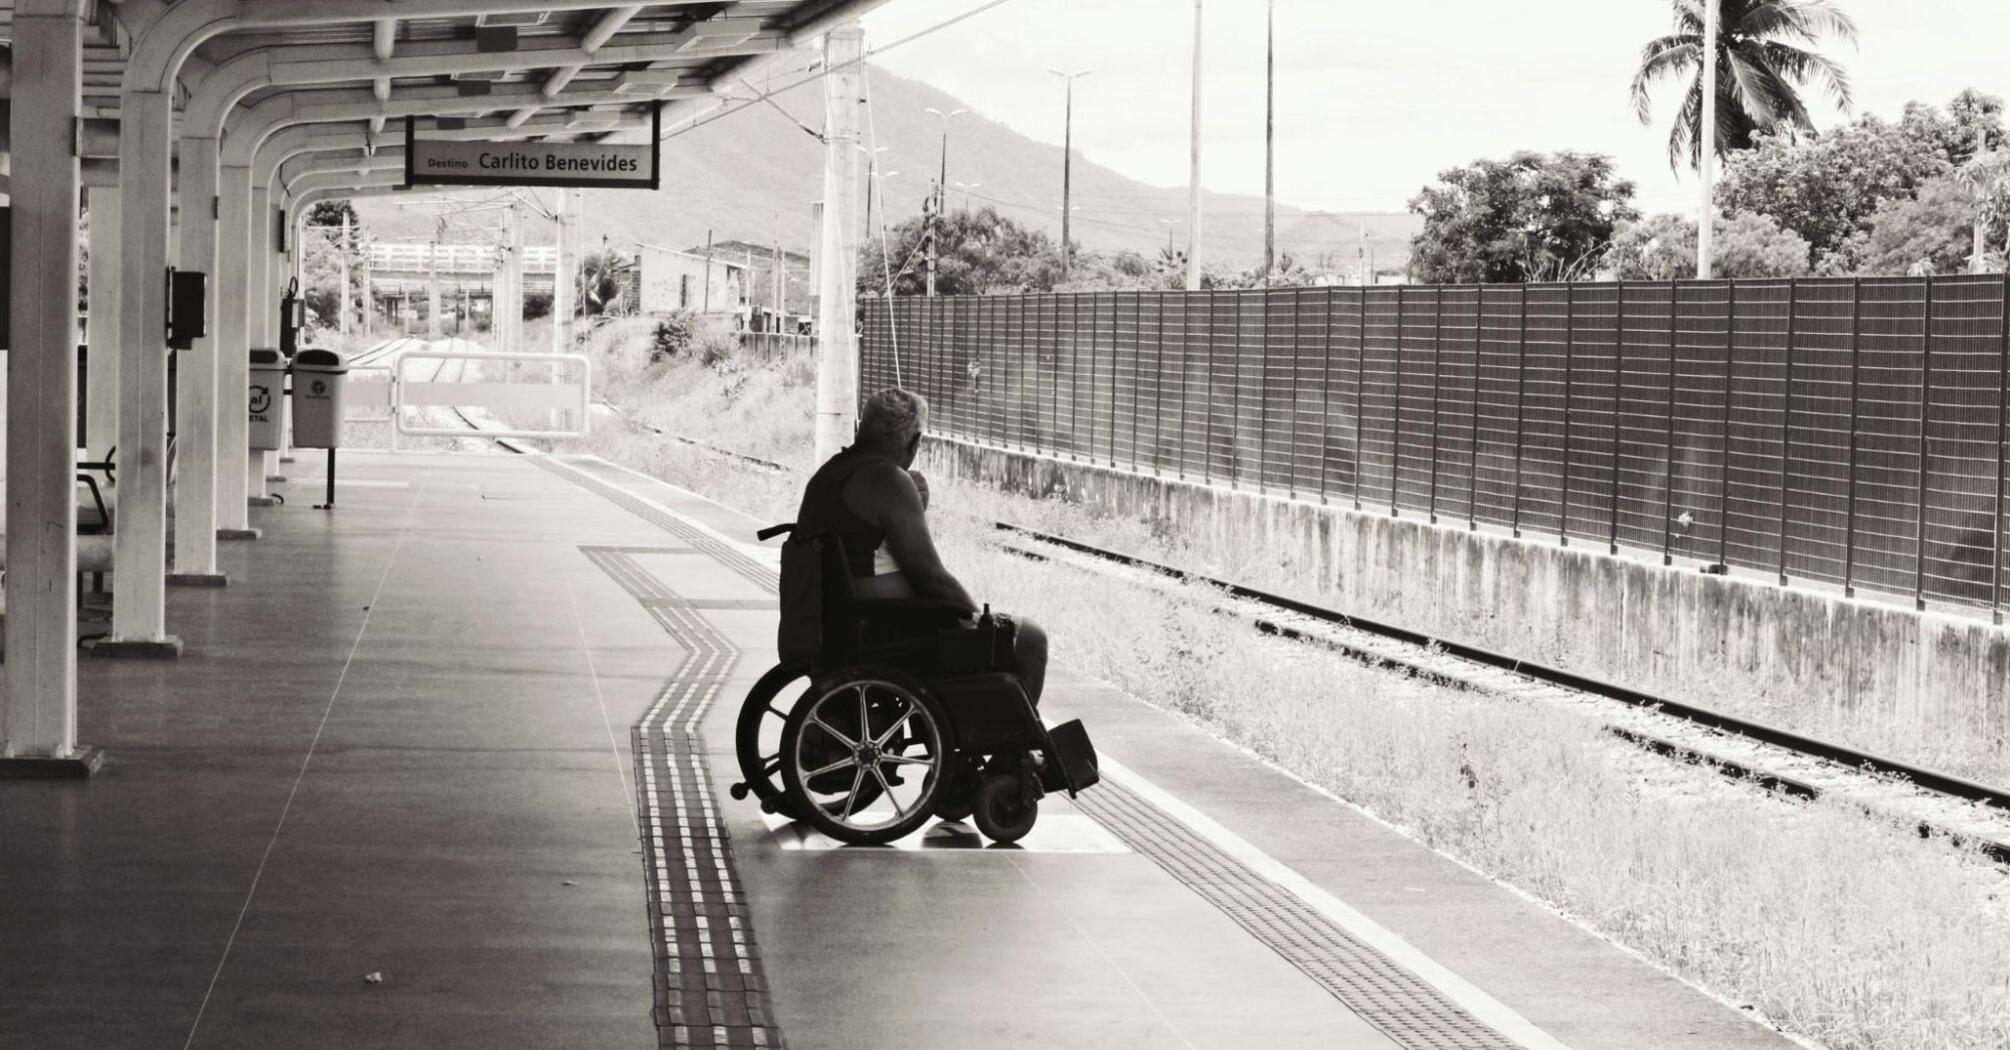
(1373, 100)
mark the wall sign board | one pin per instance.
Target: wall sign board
(478, 163)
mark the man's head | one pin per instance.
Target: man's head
(891, 424)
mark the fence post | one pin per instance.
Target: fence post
(1235, 404)
(1724, 448)
(1569, 362)
(1325, 394)
(1618, 398)
(1262, 382)
(1360, 386)
(1520, 396)
(1185, 366)
(1925, 414)
(1437, 389)
(1787, 419)
(1291, 476)
(1473, 467)
(1207, 448)
(1029, 378)
(1396, 415)
(2002, 408)
(1668, 442)
(1849, 498)
(1159, 381)
(1137, 371)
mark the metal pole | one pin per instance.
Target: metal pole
(1326, 394)
(1668, 441)
(1159, 381)
(1724, 475)
(1569, 355)
(1925, 420)
(2002, 411)
(1787, 421)
(1618, 390)
(1396, 415)
(1437, 388)
(1185, 365)
(1849, 504)
(1137, 368)
(1291, 475)
(1067, 171)
(1075, 371)
(1360, 386)
(1473, 464)
(1269, 140)
(1520, 397)
(1706, 153)
(1262, 394)
(1193, 171)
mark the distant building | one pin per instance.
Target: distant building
(670, 280)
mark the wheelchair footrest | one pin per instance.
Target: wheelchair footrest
(1072, 758)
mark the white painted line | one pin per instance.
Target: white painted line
(1484, 1008)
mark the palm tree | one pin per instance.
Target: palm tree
(1764, 58)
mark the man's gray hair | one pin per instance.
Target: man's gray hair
(892, 417)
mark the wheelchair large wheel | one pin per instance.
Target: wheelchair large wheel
(866, 755)
(758, 736)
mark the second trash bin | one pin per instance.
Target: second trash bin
(319, 378)
(267, 399)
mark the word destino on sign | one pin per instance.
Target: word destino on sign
(482, 163)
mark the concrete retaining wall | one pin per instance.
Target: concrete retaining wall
(1804, 657)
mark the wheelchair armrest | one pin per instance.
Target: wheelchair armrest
(773, 531)
(904, 606)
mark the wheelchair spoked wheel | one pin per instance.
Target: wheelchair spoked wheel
(866, 755)
(758, 736)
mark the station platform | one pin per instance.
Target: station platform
(391, 796)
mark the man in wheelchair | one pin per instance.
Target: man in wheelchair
(918, 706)
(864, 498)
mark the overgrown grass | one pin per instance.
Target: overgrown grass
(1843, 929)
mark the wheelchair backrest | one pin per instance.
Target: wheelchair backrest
(819, 621)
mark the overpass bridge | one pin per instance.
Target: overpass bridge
(406, 268)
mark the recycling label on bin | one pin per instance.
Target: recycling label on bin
(261, 403)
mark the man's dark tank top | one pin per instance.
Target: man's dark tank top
(824, 512)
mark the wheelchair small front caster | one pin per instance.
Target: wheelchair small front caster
(1006, 809)
(738, 791)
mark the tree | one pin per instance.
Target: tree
(978, 252)
(600, 279)
(1663, 248)
(1761, 66)
(323, 263)
(1532, 217)
(1926, 234)
(1826, 187)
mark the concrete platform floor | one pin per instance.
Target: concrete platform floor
(403, 742)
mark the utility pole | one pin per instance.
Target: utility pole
(1269, 140)
(931, 225)
(1706, 153)
(837, 329)
(433, 280)
(342, 300)
(562, 267)
(781, 278)
(1067, 160)
(515, 262)
(706, 306)
(1193, 177)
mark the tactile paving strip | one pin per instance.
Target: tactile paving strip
(1411, 1012)
(710, 988)
(1399, 1003)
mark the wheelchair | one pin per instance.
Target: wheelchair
(868, 740)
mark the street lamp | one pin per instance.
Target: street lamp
(1067, 157)
(872, 177)
(942, 180)
(966, 187)
(1169, 224)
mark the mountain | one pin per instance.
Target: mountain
(751, 176)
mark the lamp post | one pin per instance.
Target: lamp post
(872, 178)
(1169, 224)
(1193, 177)
(1067, 157)
(942, 179)
(1706, 154)
(966, 187)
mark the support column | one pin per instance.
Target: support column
(196, 379)
(259, 314)
(139, 600)
(101, 398)
(561, 276)
(38, 707)
(232, 289)
(837, 342)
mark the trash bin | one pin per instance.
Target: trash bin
(319, 379)
(268, 386)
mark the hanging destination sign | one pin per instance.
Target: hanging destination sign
(454, 162)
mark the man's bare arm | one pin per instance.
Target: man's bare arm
(886, 497)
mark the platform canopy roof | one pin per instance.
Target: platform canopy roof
(608, 58)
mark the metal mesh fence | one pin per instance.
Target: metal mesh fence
(1843, 431)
